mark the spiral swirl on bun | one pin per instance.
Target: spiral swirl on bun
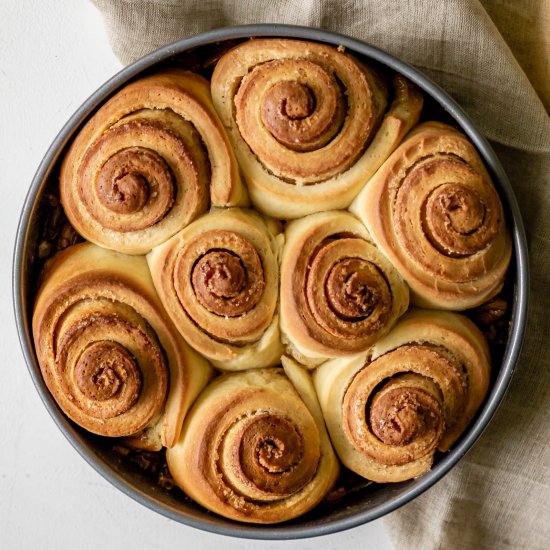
(339, 294)
(309, 123)
(414, 392)
(252, 449)
(219, 281)
(110, 356)
(433, 210)
(148, 162)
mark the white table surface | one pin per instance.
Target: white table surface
(53, 54)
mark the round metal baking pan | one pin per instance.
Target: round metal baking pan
(367, 503)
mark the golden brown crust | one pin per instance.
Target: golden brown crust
(148, 162)
(434, 212)
(218, 279)
(252, 450)
(308, 123)
(108, 353)
(339, 294)
(415, 391)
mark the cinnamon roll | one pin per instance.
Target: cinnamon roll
(414, 392)
(339, 294)
(218, 279)
(149, 161)
(252, 450)
(309, 123)
(433, 210)
(109, 354)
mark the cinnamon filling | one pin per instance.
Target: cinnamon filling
(289, 111)
(403, 414)
(103, 369)
(456, 220)
(221, 273)
(136, 181)
(225, 285)
(288, 99)
(355, 300)
(127, 193)
(271, 455)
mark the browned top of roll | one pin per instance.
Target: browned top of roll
(434, 211)
(338, 292)
(108, 353)
(150, 160)
(251, 450)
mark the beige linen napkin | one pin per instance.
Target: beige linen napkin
(499, 495)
